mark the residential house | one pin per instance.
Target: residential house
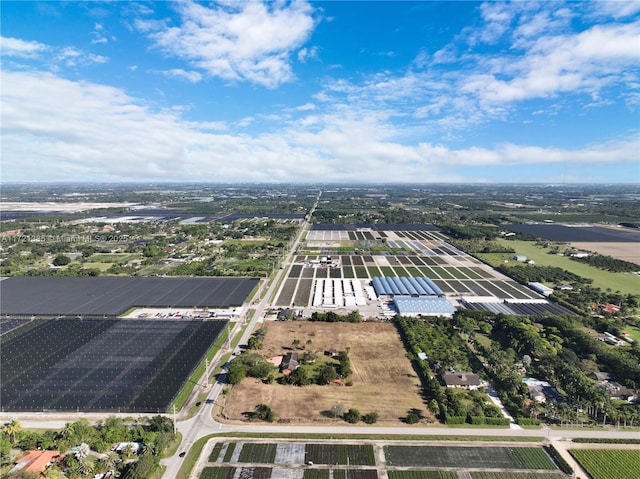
(37, 462)
(289, 363)
(465, 380)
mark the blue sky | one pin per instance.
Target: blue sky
(362, 91)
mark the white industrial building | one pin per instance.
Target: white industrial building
(337, 293)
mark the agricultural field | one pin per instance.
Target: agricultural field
(626, 283)
(624, 251)
(102, 296)
(588, 234)
(383, 378)
(608, 463)
(91, 365)
(371, 460)
(480, 457)
(423, 475)
(515, 475)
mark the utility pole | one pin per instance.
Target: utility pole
(175, 431)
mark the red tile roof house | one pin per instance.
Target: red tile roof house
(37, 461)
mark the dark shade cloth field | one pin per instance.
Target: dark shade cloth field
(103, 296)
(115, 365)
(593, 234)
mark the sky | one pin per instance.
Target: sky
(320, 92)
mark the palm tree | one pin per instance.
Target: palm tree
(12, 429)
(67, 431)
(110, 460)
(86, 467)
(82, 451)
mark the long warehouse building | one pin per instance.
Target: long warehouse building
(405, 286)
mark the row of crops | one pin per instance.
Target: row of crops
(226, 472)
(293, 453)
(101, 364)
(609, 463)
(471, 457)
(295, 460)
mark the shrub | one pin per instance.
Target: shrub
(370, 418)
(412, 418)
(456, 419)
(61, 260)
(264, 413)
(352, 416)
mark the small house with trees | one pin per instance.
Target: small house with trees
(465, 380)
(289, 363)
(36, 462)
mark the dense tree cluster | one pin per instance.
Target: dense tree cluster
(79, 439)
(550, 274)
(333, 317)
(608, 263)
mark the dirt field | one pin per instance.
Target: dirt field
(383, 379)
(625, 251)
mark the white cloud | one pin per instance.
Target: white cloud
(306, 107)
(20, 48)
(306, 54)
(190, 76)
(57, 130)
(239, 41)
(582, 63)
(71, 57)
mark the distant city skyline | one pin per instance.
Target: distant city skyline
(320, 92)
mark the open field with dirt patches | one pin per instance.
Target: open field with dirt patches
(624, 251)
(383, 379)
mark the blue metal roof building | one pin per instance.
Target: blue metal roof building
(405, 286)
(423, 306)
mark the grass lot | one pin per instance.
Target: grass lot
(624, 282)
(634, 333)
(98, 266)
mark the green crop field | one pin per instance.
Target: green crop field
(516, 475)
(624, 282)
(258, 453)
(350, 454)
(609, 463)
(316, 474)
(215, 452)
(361, 272)
(422, 475)
(217, 472)
(475, 457)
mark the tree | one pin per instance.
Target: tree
(82, 451)
(5, 451)
(327, 374)
(412, 418)
(370, 418)
(352, 416)
(161, 424)
(61, 260)
(264, 413)
(12, 429)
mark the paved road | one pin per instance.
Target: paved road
(203, 424)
